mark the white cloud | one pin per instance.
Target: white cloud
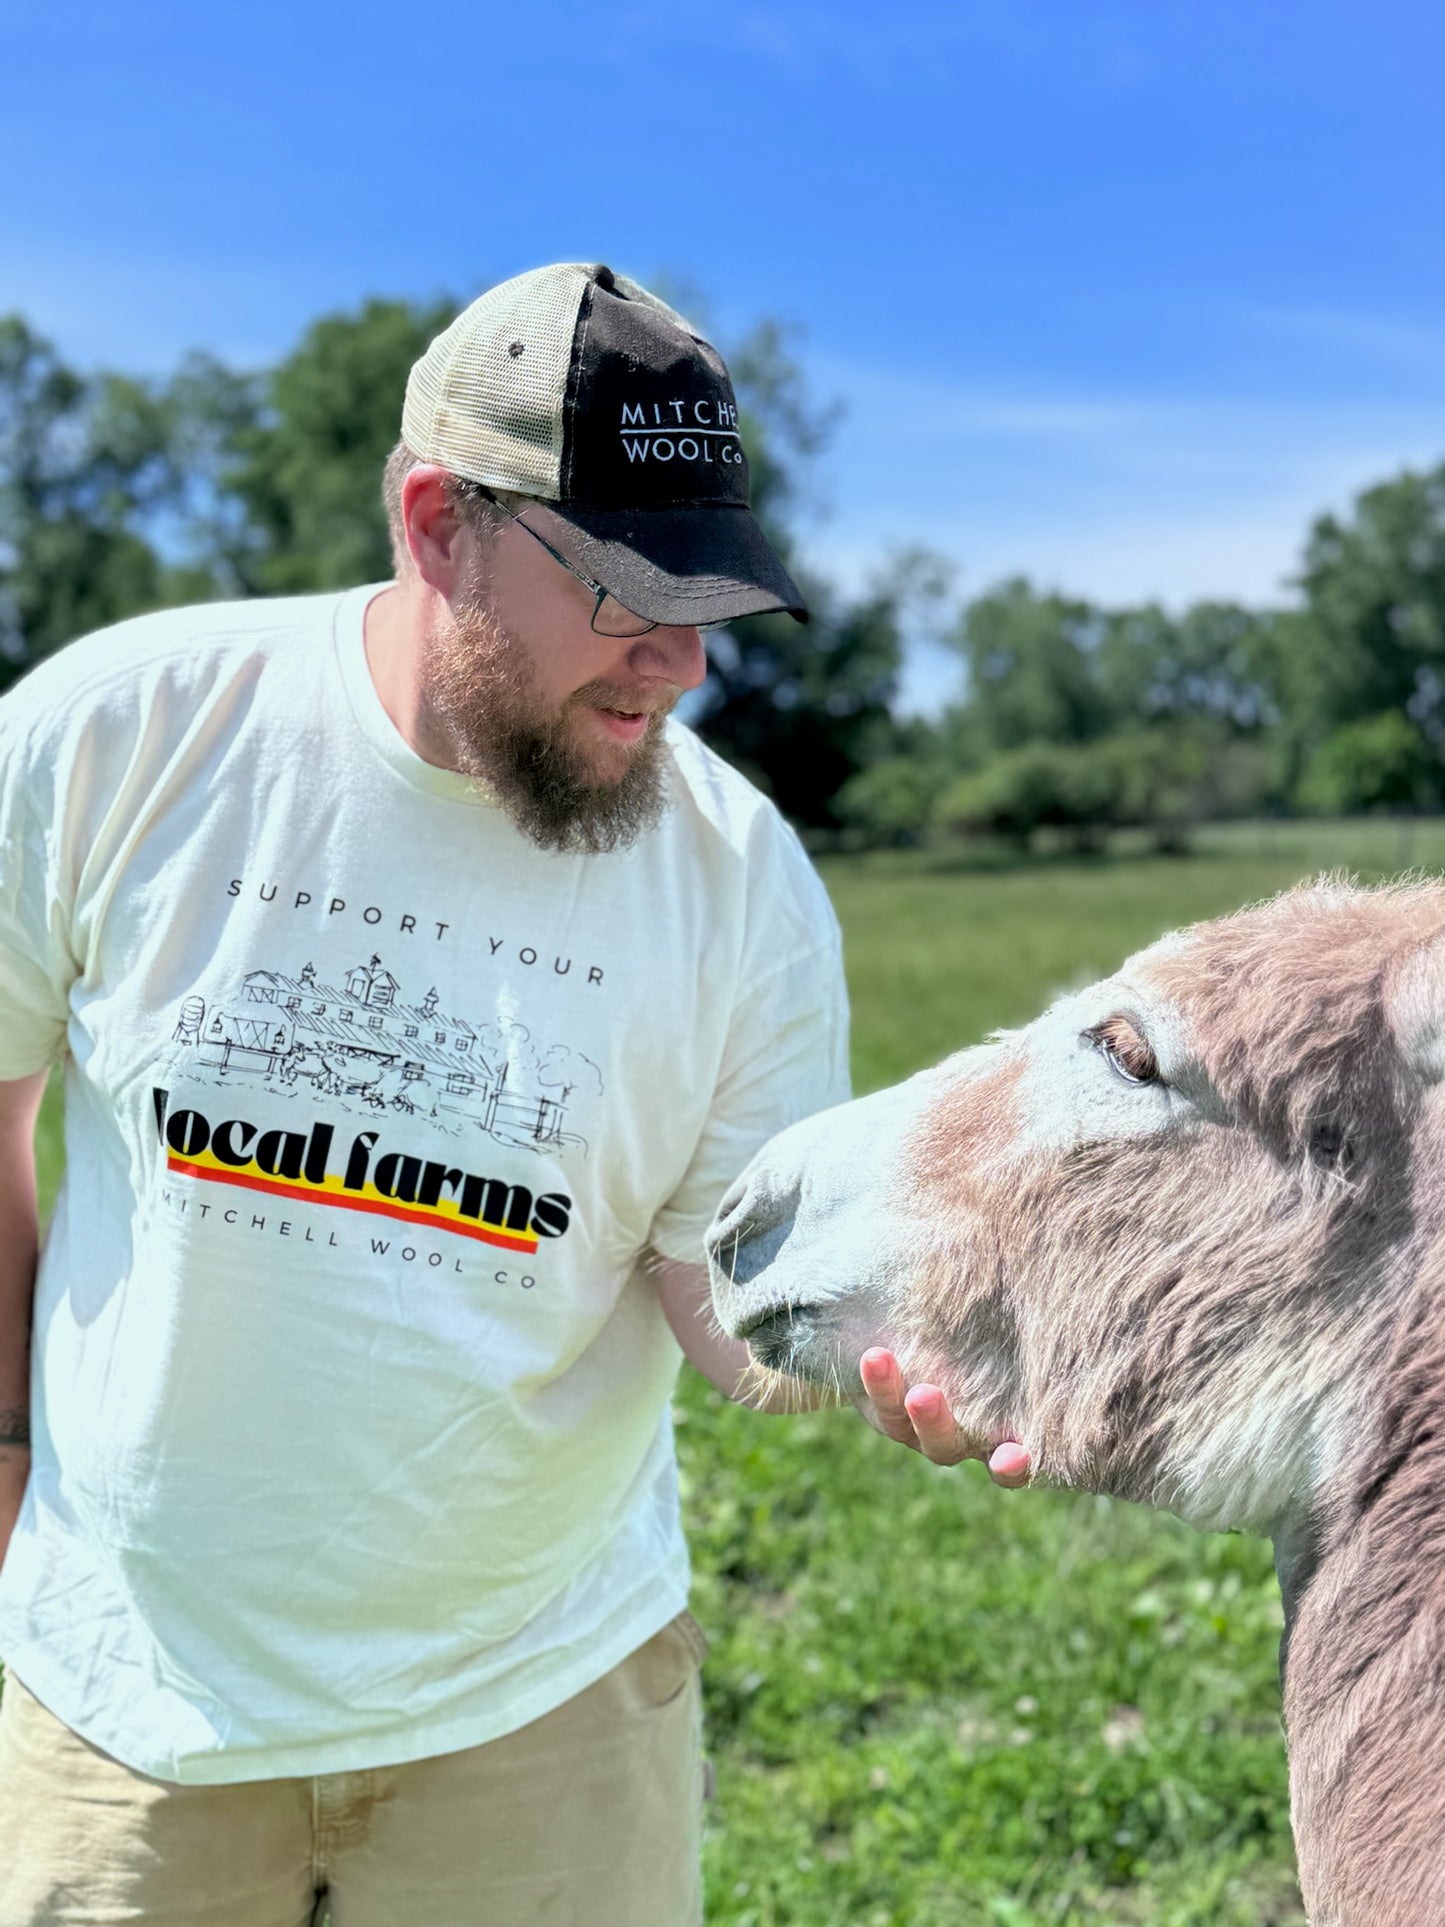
(1388, 341)
(1116, 497)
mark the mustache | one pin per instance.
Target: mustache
(602, 693)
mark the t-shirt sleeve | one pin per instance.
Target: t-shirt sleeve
(36, 965)
(786, 1057)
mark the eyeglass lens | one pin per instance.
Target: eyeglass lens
(613, 618)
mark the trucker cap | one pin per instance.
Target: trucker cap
(575, 385)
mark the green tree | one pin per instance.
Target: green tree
(1032, 676)
(86, 468)
(784, 428)
(1169, 777)
(1216, 662)
(1376, 763)
(213, 410)
(1372, 638)
(892, 802)
(305, 468)
(1070, 787)
(802, 709)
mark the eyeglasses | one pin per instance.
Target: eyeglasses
(609, 616)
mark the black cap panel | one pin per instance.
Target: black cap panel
(650, 420)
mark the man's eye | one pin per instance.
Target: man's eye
(1127, 1053)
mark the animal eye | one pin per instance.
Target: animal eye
(1128, 1054)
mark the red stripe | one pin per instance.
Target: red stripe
(280, 1188)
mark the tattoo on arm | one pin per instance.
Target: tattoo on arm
(14, 1428)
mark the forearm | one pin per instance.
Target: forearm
(19, 1247)
(725, 1362)
(728, 1364)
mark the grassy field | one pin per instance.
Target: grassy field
(931, 1702)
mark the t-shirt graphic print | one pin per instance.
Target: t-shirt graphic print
(410, 1073)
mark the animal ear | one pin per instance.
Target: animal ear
(1415, 1008)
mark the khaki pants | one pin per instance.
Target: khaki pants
(589, 1817)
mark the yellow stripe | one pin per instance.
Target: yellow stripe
(332, 1186)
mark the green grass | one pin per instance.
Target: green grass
(930, 1702)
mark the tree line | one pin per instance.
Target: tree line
(120, 494)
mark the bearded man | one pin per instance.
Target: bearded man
(420, 987)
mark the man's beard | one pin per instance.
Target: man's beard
(479, 686)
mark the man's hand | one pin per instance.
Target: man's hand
(918, 1416)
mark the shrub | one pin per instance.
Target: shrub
(1164, 779)
(891, 803)
(1379, 763)
(1161, 782)
(1064, 786)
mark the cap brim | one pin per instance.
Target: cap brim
(682, 565)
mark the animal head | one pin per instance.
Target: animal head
(1164, 1235)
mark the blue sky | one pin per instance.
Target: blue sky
(1117, 295)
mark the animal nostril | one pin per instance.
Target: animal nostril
(725, 1240)
(744, 1209)
(752, 1223)
(731, 1199)
(745, 1254)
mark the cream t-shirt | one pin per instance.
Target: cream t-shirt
(350, 1400)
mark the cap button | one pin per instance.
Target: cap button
(604, 277)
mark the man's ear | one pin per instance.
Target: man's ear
(433, 528)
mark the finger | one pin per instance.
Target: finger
(883, 1382)
(1010, 1464)
(938, 1436)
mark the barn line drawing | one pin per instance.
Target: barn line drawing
(364, 1046)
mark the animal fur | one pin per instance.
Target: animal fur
(1184, 1237)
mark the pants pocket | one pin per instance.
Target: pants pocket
(666, 1666)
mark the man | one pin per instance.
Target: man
(421, 988)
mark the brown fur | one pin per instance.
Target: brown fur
(972, 1124)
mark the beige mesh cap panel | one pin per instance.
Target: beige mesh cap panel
(486, 399)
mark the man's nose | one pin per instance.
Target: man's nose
(674, 653)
